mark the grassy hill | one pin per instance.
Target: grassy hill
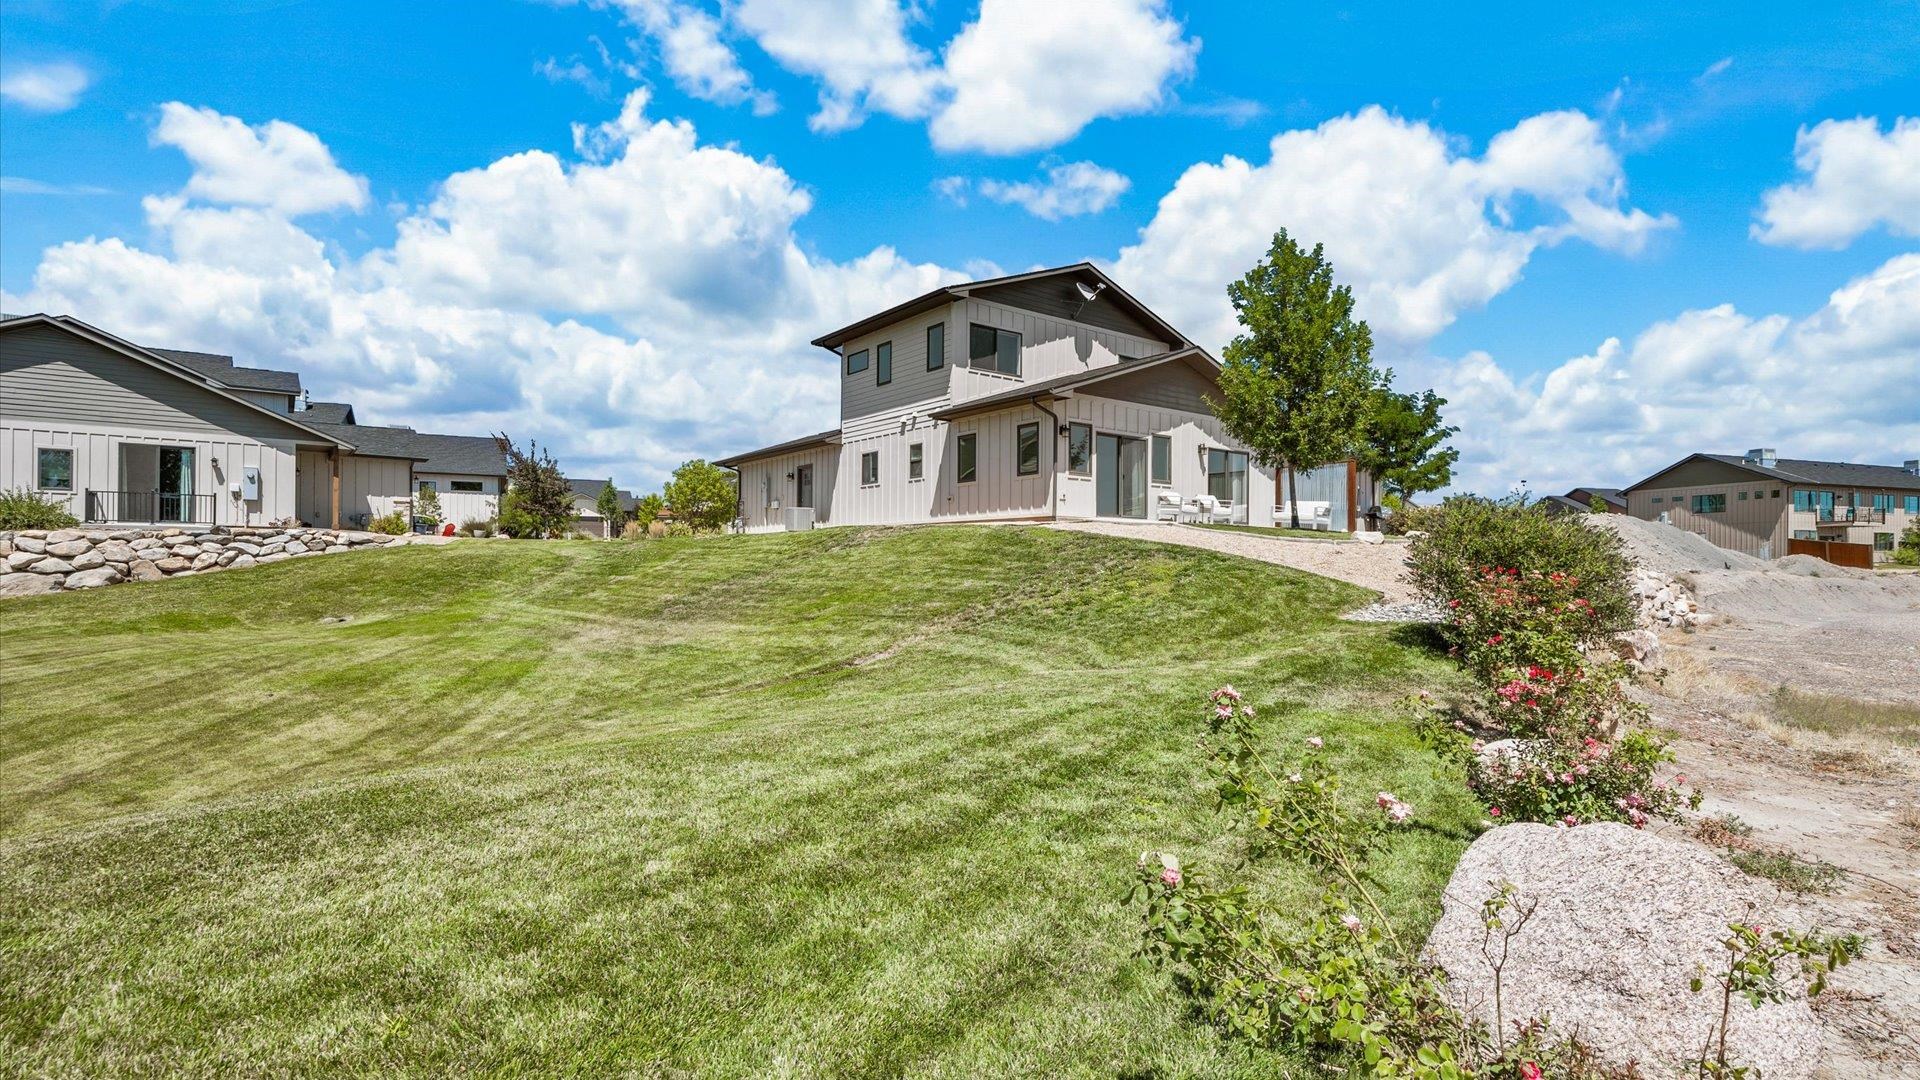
(847, 803)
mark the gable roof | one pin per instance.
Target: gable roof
(162, 362)
(947, 294)
(473, 455)
(222, 368)
(822, 438)
(1804, 471)
(1608, 495)
(1065, 385)
(328, 412)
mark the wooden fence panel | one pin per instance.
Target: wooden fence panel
(1859, 556)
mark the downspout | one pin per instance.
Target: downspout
(1053, 471)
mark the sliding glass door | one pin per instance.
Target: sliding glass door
(1120, 476)
(1227, 480)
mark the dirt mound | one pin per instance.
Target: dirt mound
(1814, 566)
(1666, 549)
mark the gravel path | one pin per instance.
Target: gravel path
(1373, 566)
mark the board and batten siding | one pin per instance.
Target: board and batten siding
(460, 507)
(370, 487)
(59, 390)
(866, 406)
(996, 492)
(1189, 431)
(765, 481)
(1755, 526)
(1049, 348)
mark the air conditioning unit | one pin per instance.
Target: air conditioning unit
(797, 518)
(774, 504)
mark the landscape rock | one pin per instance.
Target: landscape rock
(89, 560)
(204, 560)
(173, 564)
(278, 556)
(1622, 921)
(20, 560)
(30, 543)
(63, 536)
(28, 584)
(225, 558)
(51, 565)
(69, 549)
(1366, 537)
(144, 570)
(296, 547)
(335, 549)
(241, 560)
(93, 579)
(1640, 646)
(117, 551)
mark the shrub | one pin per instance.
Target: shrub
(426, 507)
(1408, 518)
(476, 526)
(1470, 538)
(702, 495)
(1908, 551)
(1574, 781)
(539, 501)
(23, 509)
(393, 524)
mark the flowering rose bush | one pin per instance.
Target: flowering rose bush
(1559, 781)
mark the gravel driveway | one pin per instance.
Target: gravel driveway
(1374, 566)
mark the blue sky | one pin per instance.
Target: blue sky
(1560, 219)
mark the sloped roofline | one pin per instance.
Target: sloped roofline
(946, 294)
(824, 438)
(1066, 385)
(88, 332)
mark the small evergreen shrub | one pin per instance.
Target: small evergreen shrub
(23, 509)
(426, 507)
(394, 524)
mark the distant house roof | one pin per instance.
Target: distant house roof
(1804, 471)
(822, 438)
(328, 412)
(1584, 496)
(1563, 504)
(472, 455)
(221, 367)
(946, 294)
(1067, 384)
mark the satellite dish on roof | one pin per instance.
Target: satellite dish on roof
(1088, 292)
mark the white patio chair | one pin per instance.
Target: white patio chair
(1167, 506)
(1222, 513)
(1323, 517)
(1203, 506)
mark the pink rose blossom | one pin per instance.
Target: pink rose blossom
(1351, 922)
(1170, 878)
(1316, 742)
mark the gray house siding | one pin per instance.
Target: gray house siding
(1059, 298)
(1169, 386)
(862, 397)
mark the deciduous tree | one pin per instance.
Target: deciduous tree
(702, 495)
(1405, 448)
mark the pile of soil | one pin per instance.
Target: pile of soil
(1666, 549)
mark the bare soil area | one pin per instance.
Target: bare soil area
(1849, 799)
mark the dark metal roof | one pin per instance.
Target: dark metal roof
(472, 455)
(1063, 384)
(221, 367)
(1804, 471)
(328, 412)
(590, 488)
(1611, 496)
(824, 438)
(946, 294)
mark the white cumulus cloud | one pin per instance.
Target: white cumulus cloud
(1069, 189)
(276, 165)
(858, 50)
(50, 87)
(696, 54)
(1857, 178)
(639, 302)
(1421, 230)
(1711, 380)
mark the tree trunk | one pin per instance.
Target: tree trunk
(1293, 496)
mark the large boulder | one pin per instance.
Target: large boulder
(30, 543)
(144, 570)
(1623, 921)
(93, 579)
(28, 584)
(68, 549)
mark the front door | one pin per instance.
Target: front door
(803, 486)
(1120, 476)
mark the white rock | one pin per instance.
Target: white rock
(335, 549)
(241, 560)
(296, 547)
(226, 558)
(144, 570)
(115, 551)
(1623, 921)
(88, 560)
(173, 564)
(278, 556)
(63, 536)
(30, 544)
(204, 560)
(69, 549)
(51, 565)
(28, 584)
(20, 560)
(93, 579)
(1366, 537)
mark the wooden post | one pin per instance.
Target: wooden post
(1353, 494)
(333, 458)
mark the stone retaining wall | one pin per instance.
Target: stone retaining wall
(37, 561)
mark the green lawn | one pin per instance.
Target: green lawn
(842, 803)
(1290, 534)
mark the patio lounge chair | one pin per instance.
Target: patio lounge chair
(1167, 506)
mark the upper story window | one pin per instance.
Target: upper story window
(883, 363)
(936, 346)
(856, 362)
(1911, 503)
(1883, 502)
(55, 469)
(992, 349)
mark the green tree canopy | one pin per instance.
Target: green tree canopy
(1404, 449)
(1297, 384)
(608, 504)
(648, 508)
(426, 506)
(539, 501)
(701, 495)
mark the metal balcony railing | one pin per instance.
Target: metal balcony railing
(149, 507)
(1851, 515)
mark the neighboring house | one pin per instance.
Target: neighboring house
(1756, 502)
(1051, 394)
(1580, 501)
(129, 435)
(586, 505)
(125, 435)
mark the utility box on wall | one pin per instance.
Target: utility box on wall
(250, 483)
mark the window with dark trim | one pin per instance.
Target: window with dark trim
(1911, 503)
(870, 467)
(1080, 449)
(803, 486)
(856, 362)
(1883, 502)
(428, 485)
(1882, 541)
(1026, 449)
(992, 349)
(1162, 459)
(54, 469)
(1708, 504)
(467, 485)
(916, 461)
(936, 346)
(883, 363)
(963, 459)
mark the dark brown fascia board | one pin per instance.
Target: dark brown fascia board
(127, 348)
(946, 294)
(1664, 470)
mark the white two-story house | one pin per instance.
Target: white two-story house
(1039, 396)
